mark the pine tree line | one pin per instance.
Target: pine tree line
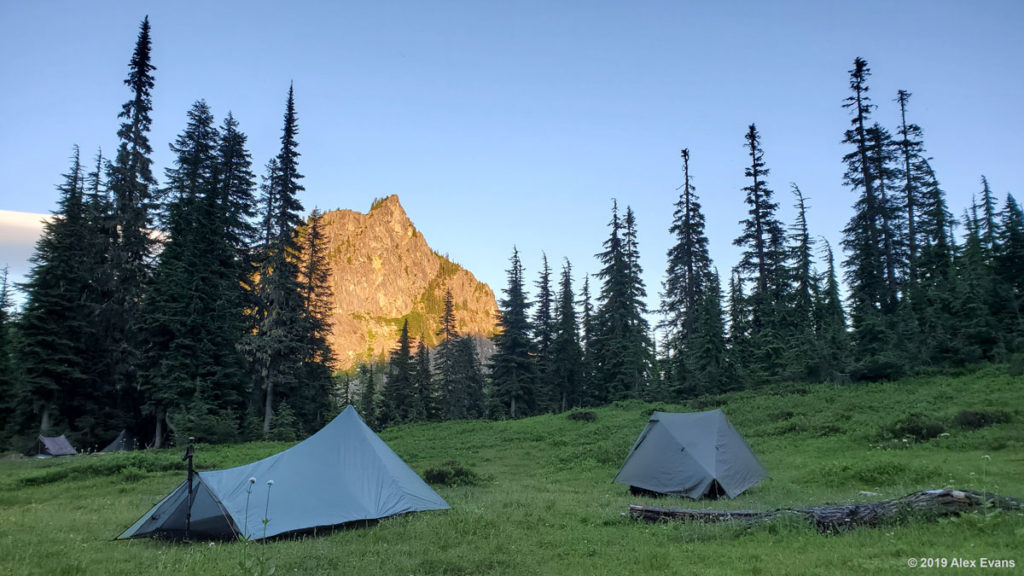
(150, 307)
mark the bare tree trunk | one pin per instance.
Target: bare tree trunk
(158, 434)
(928, 504)
(44, 425)
(268, 408)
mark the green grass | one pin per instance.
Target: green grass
(544, 501)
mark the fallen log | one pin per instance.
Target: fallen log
(928, 504)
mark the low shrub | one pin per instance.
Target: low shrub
(917, 426)
(582, 416)
(977, 419)
(451, 473)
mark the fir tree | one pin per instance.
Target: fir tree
(423, 383)
(312, 397)
(689, 268)
(447, 361)
(368, 394)
(399, 393)
(763, 261)
(543, 335)
(799, 317)
(830, 321)
(513, 372)
(131, 183)
(566, 353)
(277, 347)
(1009, 260)
(621, 344)
(56, 331)
(180, 360)
(870, 266)
(589, 393)
(707, 357)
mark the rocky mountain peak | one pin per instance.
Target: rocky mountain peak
(383, 272)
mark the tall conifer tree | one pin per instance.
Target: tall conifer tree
(131, 183)
(513, 371)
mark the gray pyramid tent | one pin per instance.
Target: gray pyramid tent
(124, 442)
(692, 454)
(56, 446)
(343, 473)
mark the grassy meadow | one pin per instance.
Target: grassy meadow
(545, 502)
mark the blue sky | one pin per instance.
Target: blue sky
(516, 123)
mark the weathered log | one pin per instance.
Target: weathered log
(928, 504)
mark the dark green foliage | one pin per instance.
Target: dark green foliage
(368, 394)
(623, 351)
(400, 398)
(513, 372)
(423, 384)
(131, 184)
(451, 473)
(57, 328)
(762, 264)
(686, 281)
(193, 313)
(280, 347)
(977, 419)
(566, 365)
(915, 426)
(710, 368)
(581, 416)
(546, 390)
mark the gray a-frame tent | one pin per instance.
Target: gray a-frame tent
(123, 443)
(56, 446)
(693, 454)
(343, 473)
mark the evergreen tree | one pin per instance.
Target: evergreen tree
(368, 394)
(543, 336)
(589, 393)
(689, 268)
(55, 325)
(989, 225)
(181, 359)
(621, 344)
(277, 347)
(830, 322)
(1009, 260)
(423, 383)
(131, 183)
(870, 268)
(513, 372)
(399, 392)
(707, 357)
(566, 353)
(9, 385)
(763, 260)
(447, 362)
(311, 398)
(801, 353)
(469, 379)
(738, 336)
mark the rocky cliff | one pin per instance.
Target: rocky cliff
(383, 272)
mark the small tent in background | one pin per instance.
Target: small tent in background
(122, 443)
(343, 473)
(56, 446)
(694, 454)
